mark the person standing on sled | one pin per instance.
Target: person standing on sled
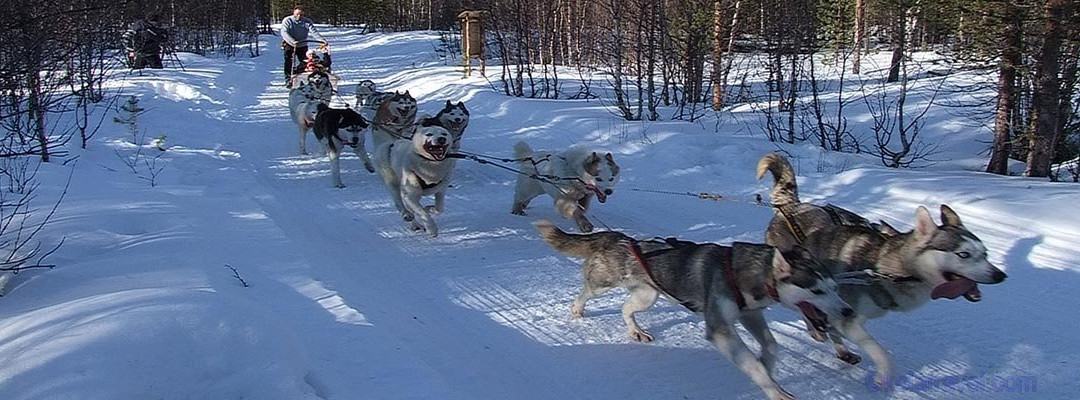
(142, 42)
(294, 38)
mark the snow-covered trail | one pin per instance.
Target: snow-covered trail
(345, 302)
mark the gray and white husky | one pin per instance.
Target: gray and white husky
(395, 119)
(412, 169)
(725, 284)
(453, 117)
(573, 177)
(308, 91)
(904, 270)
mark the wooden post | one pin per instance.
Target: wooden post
(472, 40)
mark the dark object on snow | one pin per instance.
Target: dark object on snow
(142, 43)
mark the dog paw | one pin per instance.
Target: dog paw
(641, 336)
(883, 381)
(407, 217)
(518, 212)
(585, 226)
(577, 312)
(369, 168)
(780, 394)
(433, 210)
(848, 357)
(339, 185)
(818, 335)
(415, 226)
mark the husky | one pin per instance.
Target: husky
(724, 283)
(308, 92)
(328, 125)
(368, 98)
(906, 269)
(571, 177)
(415, 168)
(453, 117)
(395, 119)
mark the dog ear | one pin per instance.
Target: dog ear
(449, 104)
(924, 223)
(949, 217)
(781, 266)
(592, 164)
(887, 229)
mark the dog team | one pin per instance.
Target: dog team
(833, 267)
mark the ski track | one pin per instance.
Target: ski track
(482, 311)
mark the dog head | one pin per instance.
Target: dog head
(806, 285)
(601, 175)
(951, 259)
(432, 142)
(351, 121)
(402, 106)
(365, 88)
(454, 116)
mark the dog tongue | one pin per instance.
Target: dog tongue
(811, 313)
(954, 288)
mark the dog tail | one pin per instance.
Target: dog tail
(522, 150)
(785, 191)
(566, 243)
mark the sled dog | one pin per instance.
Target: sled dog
(571, 177)
(329, 123)
(415, 168)
(395, 119)
(453, 117)
(904, 270)
(724, 283)
(309, 90)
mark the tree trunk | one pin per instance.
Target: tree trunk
(718, 51)
(860, 33)
(899, 42)
(1003, 121)
(1047, 92)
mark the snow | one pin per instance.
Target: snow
(345, 302)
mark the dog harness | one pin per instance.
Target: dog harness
(729, 274)
(733, 284)
(635, 250)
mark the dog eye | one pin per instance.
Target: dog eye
(818, 292)
(963, 254)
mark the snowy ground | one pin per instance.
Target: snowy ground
(346, 303)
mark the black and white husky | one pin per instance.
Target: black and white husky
(726, 284)
(412, 169)
(329, 124)
(905, 270)
(453, 117)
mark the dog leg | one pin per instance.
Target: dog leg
(754, 321)
(440, 200)
(569, 209)
(362, 152)
(303, 137)
(524, 191)
(410, 195)
(335, 167)
(853, 329)
(842, 351)
(641, 298)
(724, 337)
